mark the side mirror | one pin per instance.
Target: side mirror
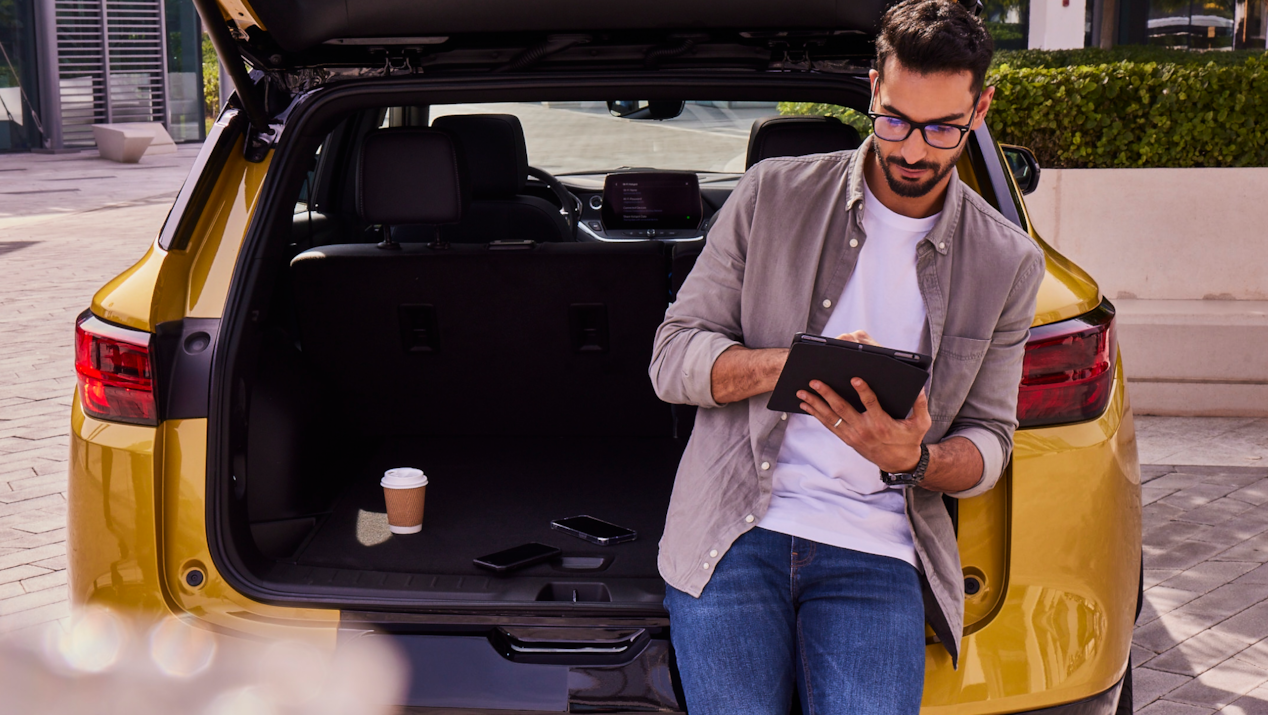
(645, 109)
(1025, 168)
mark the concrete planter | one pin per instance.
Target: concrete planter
(121, 144)
(1181, 253)
(127, 142)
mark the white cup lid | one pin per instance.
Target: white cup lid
(403, 478)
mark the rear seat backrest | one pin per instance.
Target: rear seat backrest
(554, 339)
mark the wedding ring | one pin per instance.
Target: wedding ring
(839, 421)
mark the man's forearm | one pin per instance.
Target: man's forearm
(739, 373)
(954, 465)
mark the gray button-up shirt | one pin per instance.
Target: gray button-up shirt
(782, 248)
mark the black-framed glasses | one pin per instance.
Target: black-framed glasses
(938, 136)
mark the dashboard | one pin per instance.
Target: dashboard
(641, 205)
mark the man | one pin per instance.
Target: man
(854, 549)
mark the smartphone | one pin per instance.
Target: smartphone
(596, 531)
(517, 557)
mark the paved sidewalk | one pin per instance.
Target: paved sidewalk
(1201, 641)
(69, 223)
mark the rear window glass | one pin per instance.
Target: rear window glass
(584, 138)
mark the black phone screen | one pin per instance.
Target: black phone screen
(518, 554)
(594, 527)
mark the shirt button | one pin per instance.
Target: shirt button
(714, 553)
(765, 466)
(784, 416)
(748, 519)
(854, 243)
(827, 303)
(705, 566)
(942, 246)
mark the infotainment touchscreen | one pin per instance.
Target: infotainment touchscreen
(651, 199)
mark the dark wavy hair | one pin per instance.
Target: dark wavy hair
(932, 36)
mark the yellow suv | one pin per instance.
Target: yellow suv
(404, 244)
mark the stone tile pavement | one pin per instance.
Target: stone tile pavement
(1201, 643)
(69, 223)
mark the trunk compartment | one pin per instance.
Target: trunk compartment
(486, 497)
(523, 396)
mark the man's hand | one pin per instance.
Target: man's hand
(955, 464)
(859, 336)
(893, 445)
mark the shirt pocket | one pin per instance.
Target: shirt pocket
(954, 372)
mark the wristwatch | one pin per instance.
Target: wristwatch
(908, 479)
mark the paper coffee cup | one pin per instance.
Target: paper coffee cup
(404, 490)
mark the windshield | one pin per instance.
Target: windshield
(584, 138)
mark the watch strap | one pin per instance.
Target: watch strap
(912, 478)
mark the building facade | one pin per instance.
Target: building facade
(1189, 24)
(69, 64)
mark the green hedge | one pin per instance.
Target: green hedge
(1126, 109)
(1136, 114)
(1059, 59)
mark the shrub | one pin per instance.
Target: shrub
(211, 82)
(1057, 59)
(1135, 114)
(1126, 107)
(858, 120)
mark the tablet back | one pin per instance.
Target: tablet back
(896, 384)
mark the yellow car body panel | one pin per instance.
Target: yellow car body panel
(1072, 574)
(184, 543)
(133, 536)
(191, 282)
(1050, 625)
(111, 542)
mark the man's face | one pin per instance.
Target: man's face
(912, 167)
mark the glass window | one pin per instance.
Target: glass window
(1200, 24)
(584, 138)
(1193, 24)
(19, 88)
(1248, 24)
(1009, 23)
(184, 72)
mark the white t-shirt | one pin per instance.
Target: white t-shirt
(823, 490)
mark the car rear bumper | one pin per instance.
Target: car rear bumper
(1061, 632)
(1105, 703)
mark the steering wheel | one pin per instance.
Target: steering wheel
(570, 203)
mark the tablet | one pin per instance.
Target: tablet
(896, 376)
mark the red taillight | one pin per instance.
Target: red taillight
(116, 377)
(1068, 372)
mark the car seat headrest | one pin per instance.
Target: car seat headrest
(410, 175)
(798, 136)
(497, 158)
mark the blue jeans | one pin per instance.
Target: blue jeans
(846, 628)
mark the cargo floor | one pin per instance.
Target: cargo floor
(489, 494)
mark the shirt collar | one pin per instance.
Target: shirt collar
(950, 206)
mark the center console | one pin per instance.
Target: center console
(664, 205)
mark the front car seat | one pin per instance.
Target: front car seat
(497, 171)
(799, 136)
(771, 137)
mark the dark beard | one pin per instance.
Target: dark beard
(905, 188)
